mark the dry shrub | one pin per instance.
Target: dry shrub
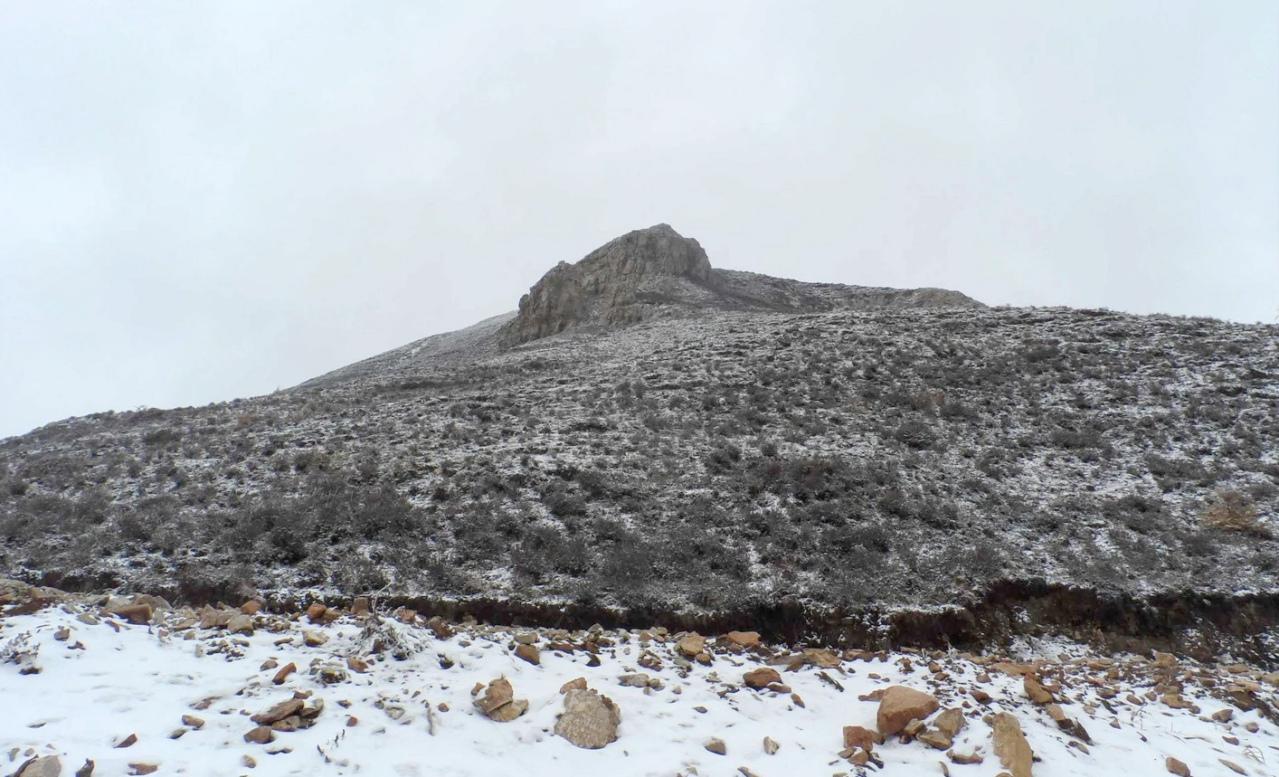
(1231, 510)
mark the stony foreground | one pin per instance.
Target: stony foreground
(114, 686)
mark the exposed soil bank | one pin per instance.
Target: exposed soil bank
(1200, 625)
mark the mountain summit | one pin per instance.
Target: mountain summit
(656, 272)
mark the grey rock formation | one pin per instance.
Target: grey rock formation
(657, 273)
(589, 720)
(621, 282)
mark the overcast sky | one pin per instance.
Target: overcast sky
(200, 201)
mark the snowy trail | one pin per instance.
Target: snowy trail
(102, 683)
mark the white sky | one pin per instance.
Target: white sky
(200, 201)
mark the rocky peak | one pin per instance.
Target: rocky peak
(623, 281)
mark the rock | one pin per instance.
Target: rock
(315, 613)
(1223, 715)
(240, 624)
(439, 627)
(86, 770)
(1034, 691)
(137, 614)
(193, 722)
(937, 740)
(128, 741)
(610, 285)
(360, 606)
(690, 645)
(857, 736)
(62, 634)
(589, 720)
(498, 702)
(964, 758)
(528, 653)
(761, 678)
(899, 705)
(1011, 746)
(251, 607)
(1232, 766)
(747, 640)
(1176, 767)
(248, 761)
(950, 722)
(314, 638)
(143, 768)
(178, 732)
(576, 682)
(284, 709)
(260, 736)
(284, 673)
(640, 680)
(716, 746)
(44, 766)
(357, 664)
(329, 673)
(770, 746)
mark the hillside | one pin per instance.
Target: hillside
(651, 435)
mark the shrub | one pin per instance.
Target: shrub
(1231, 510)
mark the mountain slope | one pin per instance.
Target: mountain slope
(737, 441)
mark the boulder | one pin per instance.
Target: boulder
(691, 645)
(284, 709)
(498, 702)
(528, 653)
(900, 705)
(761, 677)
(240, 624)
(747, 640)
(716, 745)
(1011, 746)
(589, 720)
(44, 766)
(1176, 767)
(950, 722)
(857, 736)
(260, 735)
(137, 614)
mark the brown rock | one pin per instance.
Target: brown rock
(284, 673)
(357, 664)
(1011, 745)
(761, 677)
(578, 682)
(128, 741)
(857, 736)
(248, 761)
(260, 735)
(746, 640)
(143, 768)
(589, 720)
(529, 653)
(1176, 767)
(193, 722)
(770, 746)
(86, 770)
(691, 645)
(716, 746)
(498, 702)
(950, 722)
(900, 705)
(964, 758)
(314, 638)
(935, 739)
(251, 607)
(360, 607)
(1232, 766)
(284, 709)
(315, 613)
(1034, 691)
(137, 614)
(240, 624)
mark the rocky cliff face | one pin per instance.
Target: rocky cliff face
(658, 273)
(623, 281)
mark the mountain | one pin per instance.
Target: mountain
(649, 438)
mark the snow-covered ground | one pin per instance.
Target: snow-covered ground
(99, 683)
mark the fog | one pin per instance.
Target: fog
(200, 201)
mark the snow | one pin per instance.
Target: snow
(142, 679)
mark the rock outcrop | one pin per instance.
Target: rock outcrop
(656, 272)
(621, 282)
